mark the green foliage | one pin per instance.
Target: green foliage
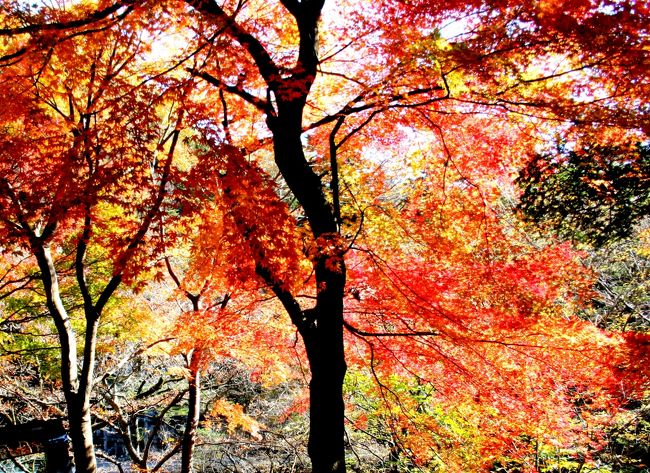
(27, 335)
(592, 195)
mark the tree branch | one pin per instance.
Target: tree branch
(97, 15)
(261, 104)
(290, 304)
(79, 265)
(363, 333)
(261, 57)
(147, 220)
(382, 102)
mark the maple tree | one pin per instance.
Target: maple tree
(86, 162)
(220, 298)
(437, 78)
(315, 90)
(597, 197)
(613, 229)
(470, 298)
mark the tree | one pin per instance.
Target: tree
(327, 87)
(84, 174)
(593, 195)
(494, 66)
(598, 197)
(216, 287)
(487, 315)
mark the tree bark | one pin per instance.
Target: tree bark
(81, 434)
(193, 413)
(325, 351)
(76, 391)
(321, 327)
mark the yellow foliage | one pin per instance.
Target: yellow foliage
(235, 418)
(644, 243)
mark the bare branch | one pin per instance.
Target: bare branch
(363, 333)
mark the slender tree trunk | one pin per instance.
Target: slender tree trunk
(193, 413)
(76, 392)
(80, 427)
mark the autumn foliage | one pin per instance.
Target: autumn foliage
(337, 184)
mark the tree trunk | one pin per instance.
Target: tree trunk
(81, 434)
(193, 413)
(76, 390)
(322, 326)
(325, 350)
(326, 416)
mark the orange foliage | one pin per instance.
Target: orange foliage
(415, 116)
(450, 291)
